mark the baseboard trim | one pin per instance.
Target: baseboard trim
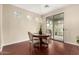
(28, 39)
(14, 42)
(66, 42)
(71, 43)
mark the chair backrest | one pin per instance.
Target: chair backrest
(30, 36)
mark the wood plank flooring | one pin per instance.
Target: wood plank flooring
(54, 48)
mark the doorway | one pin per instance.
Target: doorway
(55, 26)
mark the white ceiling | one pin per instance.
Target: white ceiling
(39, 8)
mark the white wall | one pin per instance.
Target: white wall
(71, 22)
(17, 25)
(0, 27)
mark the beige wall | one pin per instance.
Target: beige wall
(71, 22)
(17, 26)
(0, 27)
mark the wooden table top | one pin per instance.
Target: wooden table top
(43, 35)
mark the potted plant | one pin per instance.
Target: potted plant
(77, 39)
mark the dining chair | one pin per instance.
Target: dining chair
(34, 41)
(46, 41)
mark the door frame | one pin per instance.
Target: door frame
(53, 24)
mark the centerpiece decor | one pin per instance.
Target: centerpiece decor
(40, 31)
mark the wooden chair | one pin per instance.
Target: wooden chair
(34, 41)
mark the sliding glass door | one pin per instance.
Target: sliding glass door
(55, 24)
(58, 22)
(50, 26)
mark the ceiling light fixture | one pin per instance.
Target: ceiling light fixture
(46, 6)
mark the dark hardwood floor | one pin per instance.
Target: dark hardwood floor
(54, 48)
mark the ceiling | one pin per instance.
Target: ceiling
(40, 8)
